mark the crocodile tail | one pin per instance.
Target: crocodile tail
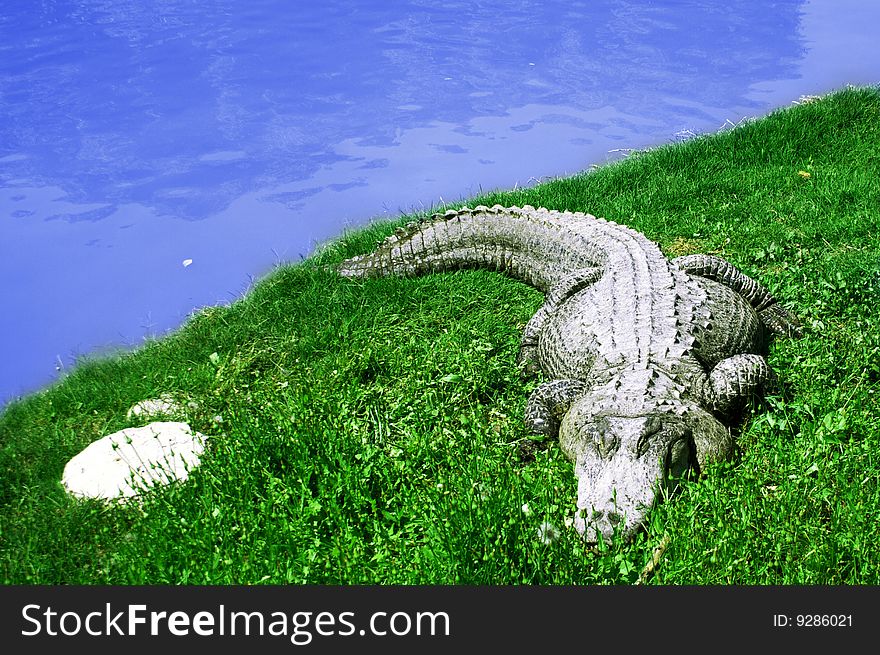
(531, 245)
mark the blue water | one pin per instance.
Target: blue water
(136, 136)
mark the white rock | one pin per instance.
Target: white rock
(164, 404)
(125, 463)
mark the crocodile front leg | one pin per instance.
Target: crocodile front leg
(570, 284)
(733, 380)
(548, 404)
(773, 315)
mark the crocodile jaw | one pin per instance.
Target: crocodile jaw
(615, 496)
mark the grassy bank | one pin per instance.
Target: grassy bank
(365, 432)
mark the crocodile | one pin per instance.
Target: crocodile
(645, 359)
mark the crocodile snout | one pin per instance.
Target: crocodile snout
(604, 522)
(614, 497)
(622, 469)
(599, 522)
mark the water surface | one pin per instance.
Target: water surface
(136, 137)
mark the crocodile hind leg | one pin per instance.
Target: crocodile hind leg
(733, 380)
(569, 285)
(773, 315)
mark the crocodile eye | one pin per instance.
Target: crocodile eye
(652, 426)
(604, 438)
(607, 443)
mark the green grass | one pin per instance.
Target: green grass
(368, 430)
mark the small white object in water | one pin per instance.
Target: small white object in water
(125, 463)
(187, 262)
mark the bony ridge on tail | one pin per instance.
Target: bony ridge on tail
(645, 357)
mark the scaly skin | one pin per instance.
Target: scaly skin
(644, 357)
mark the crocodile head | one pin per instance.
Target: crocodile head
(625, 462)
